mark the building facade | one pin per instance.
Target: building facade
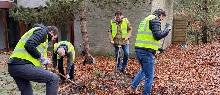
(97, 28)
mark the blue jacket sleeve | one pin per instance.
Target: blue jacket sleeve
(155, 26)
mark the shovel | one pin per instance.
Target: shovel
(68, 79)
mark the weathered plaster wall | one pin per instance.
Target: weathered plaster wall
(97, 28)
(167, 5)
(31, 3)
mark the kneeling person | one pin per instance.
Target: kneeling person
(62, 49)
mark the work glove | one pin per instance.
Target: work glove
(44, 60)
(168, 26)
(67, 76)
(161, 50)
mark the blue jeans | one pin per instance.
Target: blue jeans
(125, 48)
(146, 60)
(61, 70)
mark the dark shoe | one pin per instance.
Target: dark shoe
(72, 79)
(123, 71)
(118, 70)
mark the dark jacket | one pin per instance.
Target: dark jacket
(39, 36)
(155, 27)
(69, 58)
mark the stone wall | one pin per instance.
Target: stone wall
(98, 31)
(167, 5)
(97, 28)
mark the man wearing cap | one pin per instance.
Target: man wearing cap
(146, 45)
(119, 34)
(64, 49)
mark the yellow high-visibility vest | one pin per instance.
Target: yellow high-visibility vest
(20, 51)
(123, 28)
(145, 37)
(70, 48)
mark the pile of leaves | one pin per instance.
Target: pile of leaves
(190, 70)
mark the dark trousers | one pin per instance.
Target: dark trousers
(23, 74)
(61, 70)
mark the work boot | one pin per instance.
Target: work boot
(118, 70)
(123, 71)
(72, 80)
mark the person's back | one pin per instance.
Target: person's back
(29, 54)
(61, 49)
(146, 45)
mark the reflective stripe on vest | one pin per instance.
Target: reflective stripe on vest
(20, 51)
(70, 48)
(145, 37)
(123, 28)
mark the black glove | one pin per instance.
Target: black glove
(161, 50)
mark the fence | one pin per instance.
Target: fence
(179, 30)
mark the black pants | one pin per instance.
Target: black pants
(61, 70)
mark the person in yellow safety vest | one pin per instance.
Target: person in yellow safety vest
(29, 54)
(146, 45)
(119, 34)
(62, 49)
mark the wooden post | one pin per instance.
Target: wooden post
(72, 33)
(5, 29)
(26, 28)
(21, 26)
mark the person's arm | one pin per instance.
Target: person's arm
(54, 58)
(69, 62)
(155, 26)
(129, 29)
(39, 36)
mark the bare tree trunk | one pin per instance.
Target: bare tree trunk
(204, 25)
(88, 58)
(21, 26)
(72, 33)
(26, 27)
(204, 34)
(5, 29)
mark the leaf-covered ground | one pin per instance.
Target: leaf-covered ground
(193, 70)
